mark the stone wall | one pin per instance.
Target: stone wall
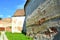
(50, 10)
(32, 5)
(53, 10)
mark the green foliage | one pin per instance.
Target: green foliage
(10, 26)
(0, 33)
(17, 36)
(0, 18)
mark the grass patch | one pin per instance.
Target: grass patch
(17, 36)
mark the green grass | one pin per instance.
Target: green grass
(17, 36)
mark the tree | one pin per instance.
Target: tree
(0, 18)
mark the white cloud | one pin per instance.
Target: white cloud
(8, 16)
(20, 6)
(1, 15)
(5, 8)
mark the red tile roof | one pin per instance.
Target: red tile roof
(19, 12)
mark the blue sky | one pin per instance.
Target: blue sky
(8, 7)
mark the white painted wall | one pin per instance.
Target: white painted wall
(17, 22)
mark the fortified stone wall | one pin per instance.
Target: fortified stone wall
(50, 12)
(32, 5)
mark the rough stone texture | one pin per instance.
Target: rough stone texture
(50, 10)
(49, 13)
